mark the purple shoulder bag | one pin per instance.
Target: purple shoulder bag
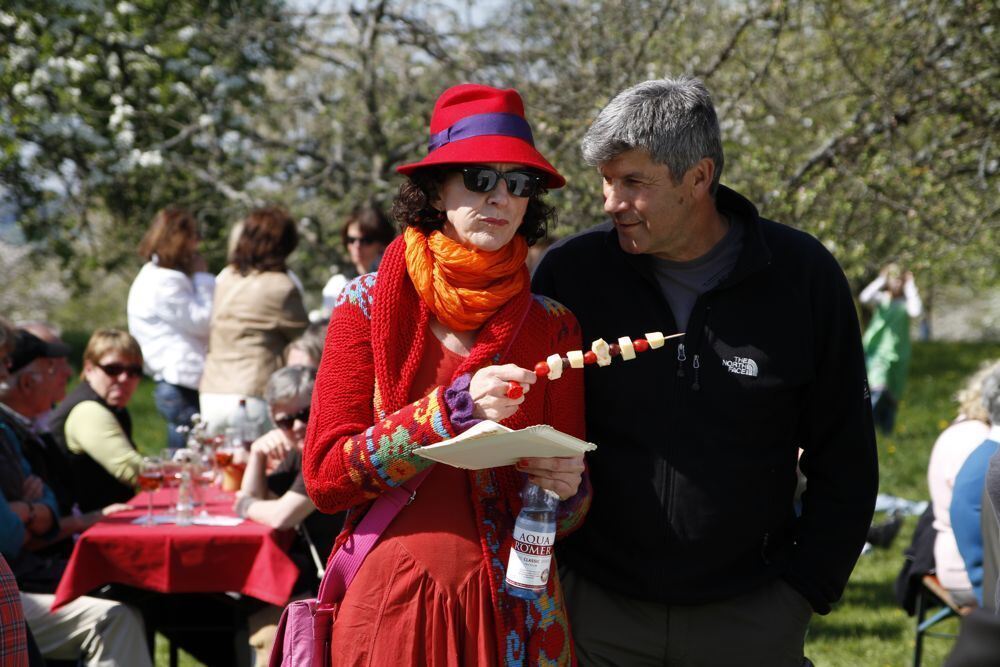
(306, 626)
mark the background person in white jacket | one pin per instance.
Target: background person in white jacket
(169, 312)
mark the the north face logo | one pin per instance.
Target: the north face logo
(741, 366)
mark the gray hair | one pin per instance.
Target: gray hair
(673, 120)
(991, 394)
(289, 383)
(311, 342)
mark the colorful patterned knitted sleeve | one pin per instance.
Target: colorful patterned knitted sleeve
(348, 460)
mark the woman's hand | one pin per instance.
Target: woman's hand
(559, 474)
(274, 446)
(113, 508)
(489, 390)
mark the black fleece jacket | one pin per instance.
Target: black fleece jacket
(694, 473)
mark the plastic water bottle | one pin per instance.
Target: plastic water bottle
(244, 431)
(534, 539)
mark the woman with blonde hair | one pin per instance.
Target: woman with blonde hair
(952, 448)
(93, 424)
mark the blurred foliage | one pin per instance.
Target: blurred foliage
(871, 125)
(110, 110)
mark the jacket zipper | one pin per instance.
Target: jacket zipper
(696, 362)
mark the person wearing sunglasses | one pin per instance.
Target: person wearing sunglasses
(93, 424)
(273, 493)
(366, 234)
(417, 353)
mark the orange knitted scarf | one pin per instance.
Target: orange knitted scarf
(463, 287)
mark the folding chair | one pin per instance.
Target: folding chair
(932, 593)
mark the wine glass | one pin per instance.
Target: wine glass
(171, 468)
(150, 479)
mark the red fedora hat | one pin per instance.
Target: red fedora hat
(474, 124)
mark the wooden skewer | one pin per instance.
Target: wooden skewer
(515, 390)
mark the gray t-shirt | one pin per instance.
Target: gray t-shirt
(683, 282)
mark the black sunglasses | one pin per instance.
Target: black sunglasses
(115, 370)
(363, 240)
(484, 179)
(286, 423)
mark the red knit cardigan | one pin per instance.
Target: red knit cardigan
(362, 432)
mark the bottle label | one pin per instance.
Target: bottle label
(530, 557)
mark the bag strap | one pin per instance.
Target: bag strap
(346, 562)
(317, 561)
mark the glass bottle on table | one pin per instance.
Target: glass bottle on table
(244, 431)
(150, 479)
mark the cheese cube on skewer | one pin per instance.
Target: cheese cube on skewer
(603, 352)
(575, 358)
(555, 366)
(655, 339)
(626, 347)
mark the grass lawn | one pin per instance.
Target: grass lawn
(866, 627)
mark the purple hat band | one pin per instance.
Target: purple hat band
(505, 124)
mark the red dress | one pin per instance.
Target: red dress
(422, 596)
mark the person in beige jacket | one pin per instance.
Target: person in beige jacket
(257, 311)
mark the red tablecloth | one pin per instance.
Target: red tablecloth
(249, 558)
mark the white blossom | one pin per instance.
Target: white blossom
(119, 117)
(150, 159)
(34, 101)
(23, 33)
(17, 55)
(125, 138)
(21, 89)
(125, 8)
(77, 67)
(230, 141)
(7, 20)
(187, 33)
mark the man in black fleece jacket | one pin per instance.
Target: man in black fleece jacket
(692, 553)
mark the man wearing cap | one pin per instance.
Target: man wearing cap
(39, 371)
(692, 552)
(60, 365)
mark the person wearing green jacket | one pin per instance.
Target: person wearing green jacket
(893, 296)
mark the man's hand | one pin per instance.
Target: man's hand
(489, 390)
(33, 488)
(559, 474)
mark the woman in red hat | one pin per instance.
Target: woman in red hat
(419, 352)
